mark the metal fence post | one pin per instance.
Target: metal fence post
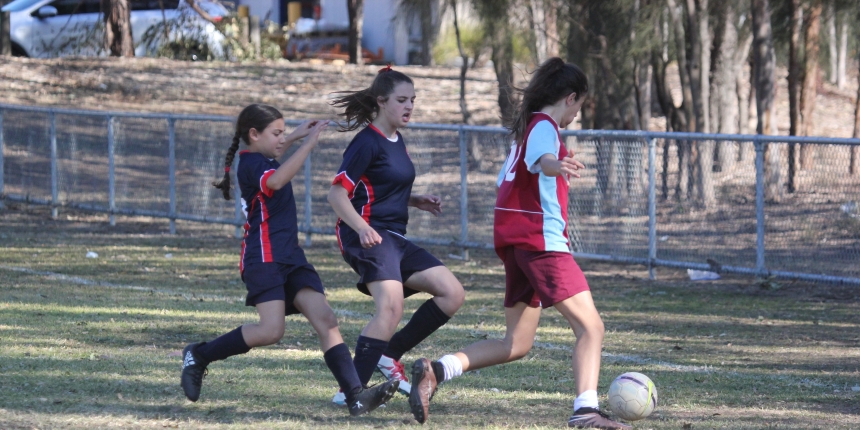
(55, 199)
(464, 195)
(759, 204)
(652, 206)
(237, 198)
(111, 171)
(1, 160)
(171, 136)
(308, 201)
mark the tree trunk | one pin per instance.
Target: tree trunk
(793, 96)
(830, 22)
(117, 19)
(854, 166)
(811, 27)
(765, 82)
(843, 52)
(730, 49)
(355, 11)
(5, 39)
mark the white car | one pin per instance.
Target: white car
(56, 28)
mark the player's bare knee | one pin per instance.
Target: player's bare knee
(326, 321)
(271, 334)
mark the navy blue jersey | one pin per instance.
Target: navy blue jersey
(271, 229)
(378, 175)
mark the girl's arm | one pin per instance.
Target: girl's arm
(338, 198)
(551, 166)
(288, 170)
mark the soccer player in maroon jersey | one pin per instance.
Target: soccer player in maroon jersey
(371, 195)
(530, 235)
(279, 279)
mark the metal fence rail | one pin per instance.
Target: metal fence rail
(685, 200)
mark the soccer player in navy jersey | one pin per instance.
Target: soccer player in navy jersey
(371, 195)
(279, 279)
(530, 236)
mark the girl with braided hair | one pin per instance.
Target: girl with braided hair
(279, 279)
(529, 231)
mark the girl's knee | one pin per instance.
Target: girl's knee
(272, 334)
(518, 349)
(325, 321)
(390, 312)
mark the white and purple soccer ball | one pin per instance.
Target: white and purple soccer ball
(632, 396)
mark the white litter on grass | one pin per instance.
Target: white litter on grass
(855, 388)
(168, 256)
(92, 255)
(702, 275)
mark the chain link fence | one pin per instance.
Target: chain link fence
(722, 203)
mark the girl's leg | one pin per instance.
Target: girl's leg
(521, 322)
(448, 296)
(197, 356)
(583, 318)
(270, 329)
(388, 298)
(316, 309)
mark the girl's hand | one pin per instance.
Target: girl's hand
(316, 128)
(569, 166)
(303, 130)
(427, 202)
(369, 237)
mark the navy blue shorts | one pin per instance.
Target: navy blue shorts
(276, 281)
(396, 258)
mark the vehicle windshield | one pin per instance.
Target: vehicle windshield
(19, 5)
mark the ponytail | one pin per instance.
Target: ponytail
(360, 107)
(254, 116)
(552, 81)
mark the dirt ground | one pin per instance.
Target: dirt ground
(302, 89)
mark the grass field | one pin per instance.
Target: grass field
(93, 342)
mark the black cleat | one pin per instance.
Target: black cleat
(371, 398)
(193, 371)
(590, 418)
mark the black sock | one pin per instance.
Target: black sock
(339, 361)
(224, 346)
(427, 319)
(439, 371)
(367, 353)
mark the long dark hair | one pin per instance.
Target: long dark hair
(360, 107)
(254, 116)
(552, 81)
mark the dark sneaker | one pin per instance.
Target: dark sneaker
(193, 371)
(371, 398)
(590, 418)
(423, 388)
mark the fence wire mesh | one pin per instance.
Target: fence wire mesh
(732, 203)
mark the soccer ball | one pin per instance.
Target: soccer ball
(632, 396)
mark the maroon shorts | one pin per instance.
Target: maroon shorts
(540, 278)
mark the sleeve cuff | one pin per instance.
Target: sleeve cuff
(263, 179)
(344, 181)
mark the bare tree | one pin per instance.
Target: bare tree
(793, 93)
(496, 22)
(355, 10)
(764, 77)
(117, 19)
(854, 166)
(731, 46)
(809, 89)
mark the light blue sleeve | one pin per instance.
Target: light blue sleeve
(542, 140)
